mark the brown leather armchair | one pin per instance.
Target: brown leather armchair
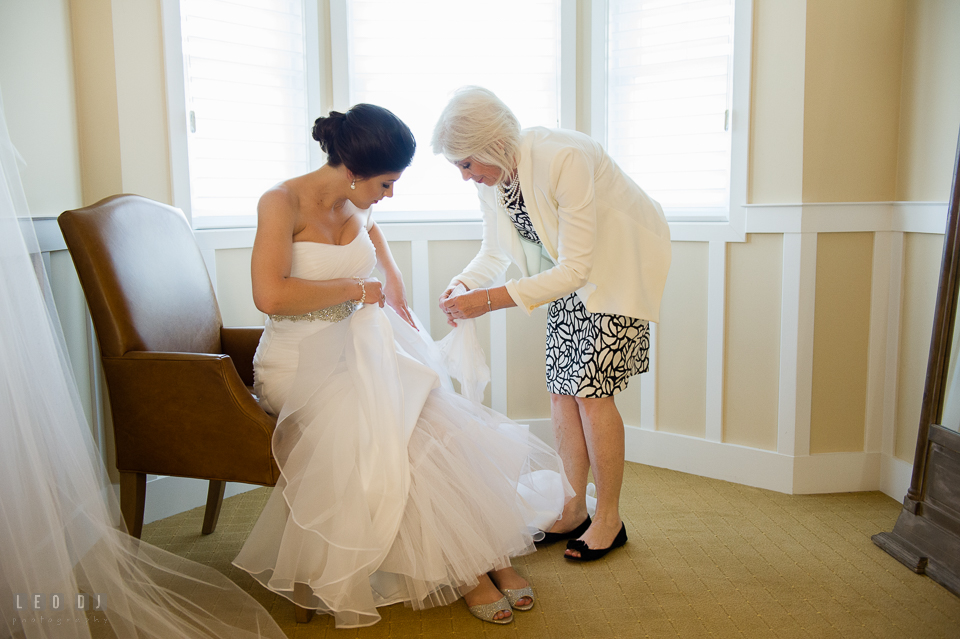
(179, 381)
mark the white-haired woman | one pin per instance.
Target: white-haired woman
(593, 245)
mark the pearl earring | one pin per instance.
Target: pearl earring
(353, 185)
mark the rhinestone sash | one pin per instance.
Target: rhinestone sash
(331, 314)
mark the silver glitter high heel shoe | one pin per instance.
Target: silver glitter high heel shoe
(513, 596)
(486, 612)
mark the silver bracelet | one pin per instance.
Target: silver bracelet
(363, 290)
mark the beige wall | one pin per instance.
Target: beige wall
(921, 269)
(681, 364)
(929, 100)
(97, 111)
(121, 99)
(851, 100)
(752, 347)
(776, 132)
(35, 43)
(840, 344)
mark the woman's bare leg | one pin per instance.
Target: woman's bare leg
(568, 434)
(485, 593)
(604, 436)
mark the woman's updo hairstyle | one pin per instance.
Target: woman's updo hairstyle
(369, 140)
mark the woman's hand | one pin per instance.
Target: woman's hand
(446, 295)
(373, 292)
(466, 306)
(396, 298)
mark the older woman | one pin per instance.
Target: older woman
(592, 244)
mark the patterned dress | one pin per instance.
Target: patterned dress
(588, 354)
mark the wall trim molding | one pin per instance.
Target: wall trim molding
(895, 476)
(842, 217)
(766, 469)
(847, 217)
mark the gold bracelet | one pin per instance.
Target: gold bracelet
(363, 290)
(489, 305)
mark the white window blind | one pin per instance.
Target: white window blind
(668, 101)
(410, 55)
(245, 77)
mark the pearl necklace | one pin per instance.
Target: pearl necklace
(509, 196)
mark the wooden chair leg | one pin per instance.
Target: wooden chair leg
(133, 495)
(214, 501)
(303, 615)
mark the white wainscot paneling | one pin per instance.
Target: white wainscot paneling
(788, 469)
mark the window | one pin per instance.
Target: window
(246, 90)
(668, 101)
(666, 83)
(410, 55)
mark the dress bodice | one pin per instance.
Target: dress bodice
(316, 261)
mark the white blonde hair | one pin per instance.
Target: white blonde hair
(476, 124)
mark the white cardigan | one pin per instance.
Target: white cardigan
(602, 236)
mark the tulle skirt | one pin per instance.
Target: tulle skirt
(393, 488)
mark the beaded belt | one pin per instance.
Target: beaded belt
(330, 314)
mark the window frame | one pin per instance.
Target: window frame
(177, 118)
(331, 64)
(340, 98)
(732, 227)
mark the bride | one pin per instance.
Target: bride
(393, 487)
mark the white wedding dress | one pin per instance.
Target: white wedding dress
(393, 487)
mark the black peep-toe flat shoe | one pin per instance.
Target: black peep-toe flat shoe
(589, 554)
(552, 538)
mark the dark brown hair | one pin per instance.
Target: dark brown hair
(369, 140)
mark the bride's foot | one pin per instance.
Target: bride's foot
(485, 594)
(508, 579)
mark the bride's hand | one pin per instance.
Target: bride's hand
(373, 291)
(396, 298)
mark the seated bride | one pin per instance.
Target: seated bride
(393, 487)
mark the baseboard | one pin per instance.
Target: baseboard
(168, 496)
(729, 462)
(808, 474)
(895, 476)
(836, 473)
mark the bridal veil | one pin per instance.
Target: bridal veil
(63, 547)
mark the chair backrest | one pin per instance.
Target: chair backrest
(143, 276)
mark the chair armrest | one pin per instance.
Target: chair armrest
(240, 343)
(188, 414)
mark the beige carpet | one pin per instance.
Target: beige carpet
(705, 558)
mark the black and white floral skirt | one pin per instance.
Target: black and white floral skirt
(593, 354)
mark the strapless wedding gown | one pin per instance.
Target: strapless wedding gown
(393, 487)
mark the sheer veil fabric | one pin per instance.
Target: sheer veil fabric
(61, 533)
